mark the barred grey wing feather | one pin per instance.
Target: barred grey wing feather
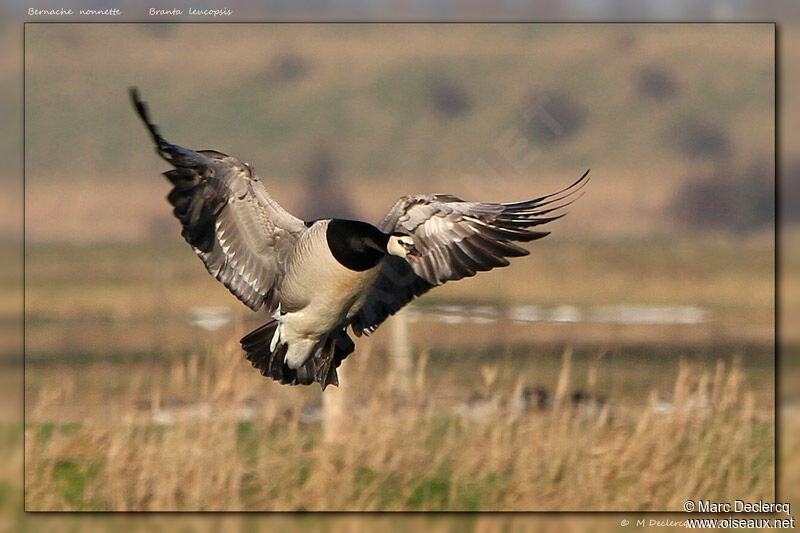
(239, 232)
(455, 239)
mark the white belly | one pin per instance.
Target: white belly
(330, 300)
(317, 294)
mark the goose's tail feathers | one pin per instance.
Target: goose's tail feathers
(269, 357)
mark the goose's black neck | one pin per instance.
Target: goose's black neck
(356, 245)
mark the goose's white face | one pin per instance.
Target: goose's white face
(402, 246)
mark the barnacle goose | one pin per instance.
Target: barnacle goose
(320, 277)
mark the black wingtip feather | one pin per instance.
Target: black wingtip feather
(162, 146)
(538, 212)
(569, 190)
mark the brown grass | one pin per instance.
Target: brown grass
(174, 428)
(790, 452)
(185, 442)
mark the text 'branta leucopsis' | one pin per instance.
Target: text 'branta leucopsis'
(320, 277)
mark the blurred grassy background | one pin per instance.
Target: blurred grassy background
(400, 108)
(676, 123)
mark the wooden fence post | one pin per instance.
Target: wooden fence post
(334, 408)
(400, 354)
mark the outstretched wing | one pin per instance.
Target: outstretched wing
(455, 239)
(242, 235)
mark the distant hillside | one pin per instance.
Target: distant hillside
(490, 111)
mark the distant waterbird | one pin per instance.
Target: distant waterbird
(320, 277)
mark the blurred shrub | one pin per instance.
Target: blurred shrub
(728, 199)
(624, 41)
(325, 192)
(553, 116)
(695, 137)
(162, 224)
(449, 98)
(287, 66)
(159, 31)
(654, 82)
(790, 191)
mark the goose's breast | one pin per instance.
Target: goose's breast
(319, 287)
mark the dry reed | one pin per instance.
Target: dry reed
(204, 441)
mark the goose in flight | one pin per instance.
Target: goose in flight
(319, 277)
